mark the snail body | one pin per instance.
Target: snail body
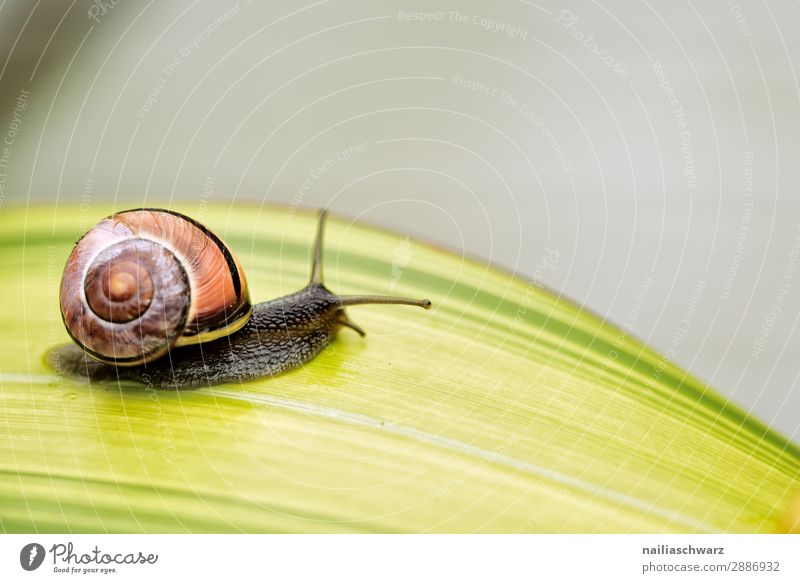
(200, 329)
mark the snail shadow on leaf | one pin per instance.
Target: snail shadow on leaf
(69, 362)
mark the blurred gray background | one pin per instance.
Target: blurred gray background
(638, 157)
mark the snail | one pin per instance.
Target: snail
(151, 295)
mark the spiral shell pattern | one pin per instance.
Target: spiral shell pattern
(143, 281)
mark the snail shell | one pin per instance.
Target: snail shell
(145, 280)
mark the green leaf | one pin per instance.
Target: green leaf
(503, 409)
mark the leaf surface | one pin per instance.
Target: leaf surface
(503, 409)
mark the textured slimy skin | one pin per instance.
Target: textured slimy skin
(282, 334)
